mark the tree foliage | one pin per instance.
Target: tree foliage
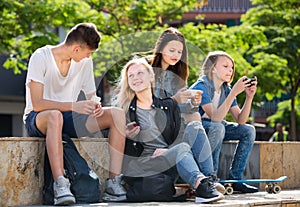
(266, 45)
(279, 21)
(28, 24)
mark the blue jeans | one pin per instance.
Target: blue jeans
(196, 137)
(218, 132)
(186, 165)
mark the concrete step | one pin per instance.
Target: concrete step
(287, 198)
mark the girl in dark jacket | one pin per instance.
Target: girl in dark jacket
(153, 126)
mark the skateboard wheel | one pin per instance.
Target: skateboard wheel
(229, 190)
(269, 188)
(276, 189)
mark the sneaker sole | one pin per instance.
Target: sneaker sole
(64, 201)
(209, 200)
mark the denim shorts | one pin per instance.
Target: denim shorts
(74, 124)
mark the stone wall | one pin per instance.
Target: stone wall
(22, 161)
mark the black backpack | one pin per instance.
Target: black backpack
(85, 184)
(157, 187)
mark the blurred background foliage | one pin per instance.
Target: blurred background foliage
(265, 45)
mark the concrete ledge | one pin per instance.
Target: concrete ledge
(267, 160)
(22, 161)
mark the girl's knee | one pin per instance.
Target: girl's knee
(183, 147)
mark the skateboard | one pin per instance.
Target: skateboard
(271, 184)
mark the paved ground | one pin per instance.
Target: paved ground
(286, 198)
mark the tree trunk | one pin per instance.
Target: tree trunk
(293, 134)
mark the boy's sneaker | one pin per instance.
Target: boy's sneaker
(62, 193)
(219, 187)
(244, 188)
(114, 190)
(206, 192)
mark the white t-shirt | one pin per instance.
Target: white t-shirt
(42, 68)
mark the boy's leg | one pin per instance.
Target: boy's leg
(50, 123)
(114, 119)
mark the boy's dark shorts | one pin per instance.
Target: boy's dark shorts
(74, 124)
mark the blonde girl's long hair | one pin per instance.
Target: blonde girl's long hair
(125, 93)
(210, 62)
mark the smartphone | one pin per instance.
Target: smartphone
(131, 125)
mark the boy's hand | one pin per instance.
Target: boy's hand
(98, 110)
(88, 107)
(84, 107)
(98, 107)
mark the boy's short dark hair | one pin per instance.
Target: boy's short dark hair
(85, 34)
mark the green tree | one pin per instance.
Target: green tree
(27, 25)
(129, 27)
(30, 24)
(279, 21)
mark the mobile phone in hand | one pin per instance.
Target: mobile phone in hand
(131, 125)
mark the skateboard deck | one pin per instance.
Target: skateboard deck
(271, 184)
